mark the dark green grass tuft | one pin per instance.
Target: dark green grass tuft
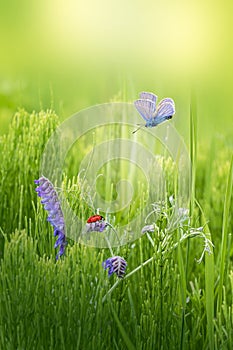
(20, 155)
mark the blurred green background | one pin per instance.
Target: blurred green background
(68, 55)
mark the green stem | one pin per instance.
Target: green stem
(161, 301)
(226, 214)
(127, 276)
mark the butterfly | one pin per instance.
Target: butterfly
(146, 106)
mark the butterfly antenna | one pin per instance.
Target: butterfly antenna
(140, 126)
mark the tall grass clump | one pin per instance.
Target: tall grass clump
(20, 156)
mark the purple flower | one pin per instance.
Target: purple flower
(51, 203)
(97, 226)
(115, 264)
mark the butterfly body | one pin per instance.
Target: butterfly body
(156, 121)
(154, 114)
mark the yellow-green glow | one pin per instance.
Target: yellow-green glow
(88, 51)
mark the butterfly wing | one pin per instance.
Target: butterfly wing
(166, 108)
(146, 108)
(148, 96)
(167, 99)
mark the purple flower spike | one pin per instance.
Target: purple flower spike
(97, 226)
(51, 203)
(115, 264)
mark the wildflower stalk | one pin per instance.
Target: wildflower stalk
(164, 244)
(50, 200)
(109, 245)
(127, 276)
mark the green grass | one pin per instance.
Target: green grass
(166, 301)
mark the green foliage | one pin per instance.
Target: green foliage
(169, 302)
(213, 169)
(20, 155)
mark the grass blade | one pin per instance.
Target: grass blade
(209, 291)
(124, 335)
(223, 252)
(209, 284)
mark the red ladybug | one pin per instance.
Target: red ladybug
(95, 218)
